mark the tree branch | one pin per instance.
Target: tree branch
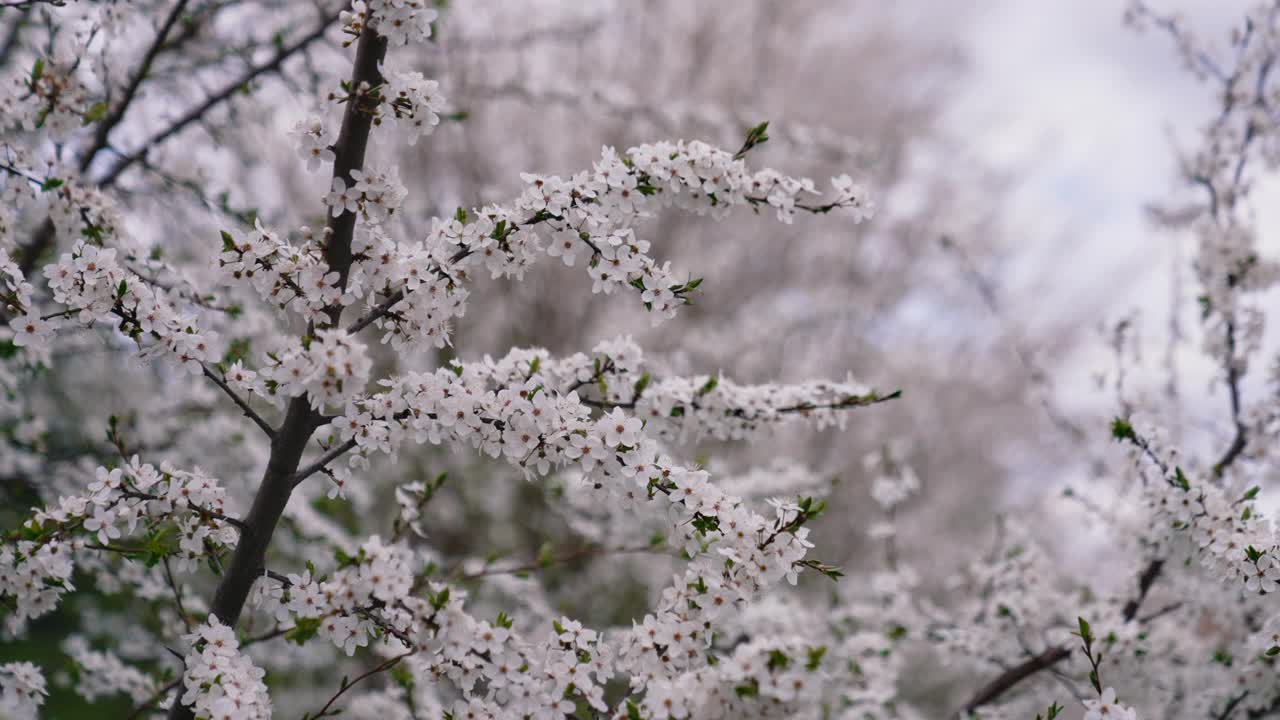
(102, 134)
(301, 421)
(195, 114)
(386, 665)
(1233, 389)
(239, 401)
(151, 701)
(330, 455)
(1013, 676)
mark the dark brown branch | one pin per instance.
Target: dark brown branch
(102, 135)
(301, 421)
(1010, 678)
(1231, 706)
(1145, 580)
(1014, 675)
(323, 461)
(1233, 389)
(197, 113)
(199, 510)
(11, 38)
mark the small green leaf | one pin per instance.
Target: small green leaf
(546, 555)
(303, 630)
(96, 112)
(709, 385)
(641, 384)
(1122, 430)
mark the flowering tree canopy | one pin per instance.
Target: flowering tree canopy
(252, 513)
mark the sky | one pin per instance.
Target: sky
(1087, 112)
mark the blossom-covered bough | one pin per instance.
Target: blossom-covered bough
(600, 420)
(270, 526)
(1193, 526)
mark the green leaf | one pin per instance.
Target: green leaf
(52, 183)
(303, 630)
(343, 559)
(228, 242)
(1085, 633)
(778, 660)
(546, 555)
(96, 112)
(641, 384)
(1122, 430)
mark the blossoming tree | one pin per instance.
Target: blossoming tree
(279, 376)
(318, 296)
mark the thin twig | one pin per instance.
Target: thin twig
(587, 551)
(333, 453)
(386, 665)
(240, 402)
(197, 113)
(155, 698)
(177, 595)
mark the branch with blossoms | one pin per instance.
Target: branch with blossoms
(166, 498)
(106, 118)
(731, 551)
(509, 408)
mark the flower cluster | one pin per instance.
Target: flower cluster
(735, 551)
(374, 193)
(1235, 542)
(358, 600)
(95, 287)
(29, 329)
(80, 211)
(410, 102)
(100, 673)
(313, 142)
(221, 682)
(681, 408)
(330, 368)
(49, 95)
(400, 21)
(36, 571)
(282, 274)
(22, 690)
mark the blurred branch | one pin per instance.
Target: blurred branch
(1036, 374)
(197, 113)
(1012, 677)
